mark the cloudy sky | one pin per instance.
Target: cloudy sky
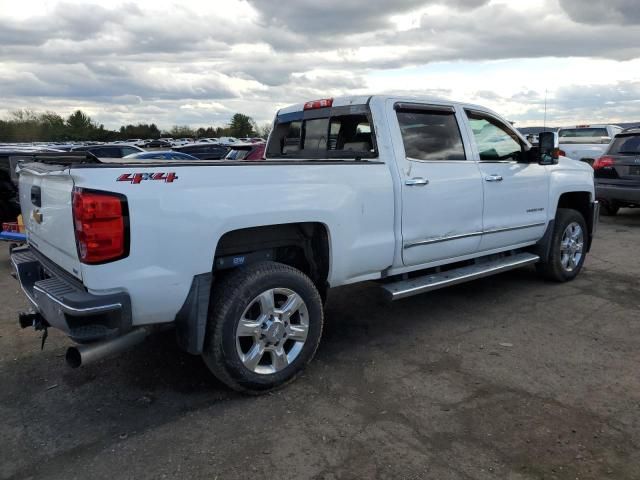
(196, 63)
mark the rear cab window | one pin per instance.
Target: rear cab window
(330, 133)
(582, 132)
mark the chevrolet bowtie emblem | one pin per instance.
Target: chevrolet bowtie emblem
(37, 215)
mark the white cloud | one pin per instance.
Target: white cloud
(197, 63)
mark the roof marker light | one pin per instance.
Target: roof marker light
(314, 104)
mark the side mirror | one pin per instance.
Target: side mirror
(548, 153)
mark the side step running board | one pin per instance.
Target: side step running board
(415, 286)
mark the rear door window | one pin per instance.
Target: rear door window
(430, 135)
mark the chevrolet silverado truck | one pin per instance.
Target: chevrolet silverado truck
(414, 194)
(586, 142)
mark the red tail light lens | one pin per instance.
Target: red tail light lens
(602, 162)
(100, 221)
(562, 153)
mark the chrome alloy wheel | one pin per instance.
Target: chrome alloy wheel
(571, 246)
(272, 331)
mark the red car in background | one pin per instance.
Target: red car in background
(246, 151)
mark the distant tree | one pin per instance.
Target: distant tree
(242, 126)
(264, 130)
(52, 127)
(25, 125)
(6, 131)
(181, 131)
(141, 130)
(80, 126)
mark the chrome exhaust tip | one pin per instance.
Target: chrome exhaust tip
(80, 355)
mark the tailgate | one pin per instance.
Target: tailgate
(583, 152)
(45, 200)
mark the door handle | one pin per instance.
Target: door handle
(493, 178)
(416, 182)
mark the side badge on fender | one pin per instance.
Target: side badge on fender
(136, 178)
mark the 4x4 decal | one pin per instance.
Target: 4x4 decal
(139, 177)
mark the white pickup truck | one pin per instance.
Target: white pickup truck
(415, 194)
(586, 142)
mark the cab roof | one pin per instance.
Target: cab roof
(348, 100)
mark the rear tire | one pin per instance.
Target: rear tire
(568, 247)
(264, 326)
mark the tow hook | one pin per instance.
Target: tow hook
(35, 320)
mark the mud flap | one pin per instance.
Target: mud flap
(191, 320)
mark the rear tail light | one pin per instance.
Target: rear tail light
(562, 153)
(602, 162)
(101, 226)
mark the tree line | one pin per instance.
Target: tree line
(30, 126)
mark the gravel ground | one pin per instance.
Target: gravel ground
(508, 377)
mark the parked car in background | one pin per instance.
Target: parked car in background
(246, 151)
(182, 141)
(161, 155)
(208, 140)
(227, 140)
(586, 142)
(9, 201)
(159, 143)
(204, 151)
(617, 173)
(109, 151)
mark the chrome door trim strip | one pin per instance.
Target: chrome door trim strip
(471, 234)
(441, 239)
(519, 227)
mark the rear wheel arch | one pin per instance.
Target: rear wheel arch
(305, 246)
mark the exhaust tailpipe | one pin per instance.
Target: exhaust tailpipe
(79, 355)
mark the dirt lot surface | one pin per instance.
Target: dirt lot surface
(504, 378)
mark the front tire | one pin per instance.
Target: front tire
(568, 247)
(264, 326)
